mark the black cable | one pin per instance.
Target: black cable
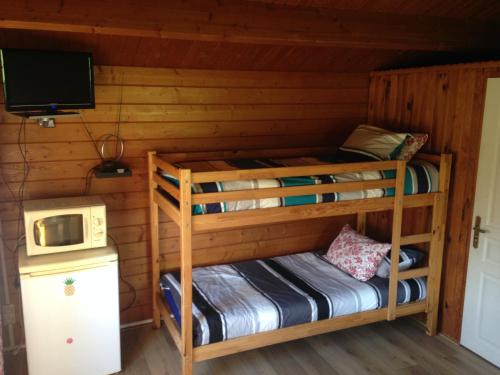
(23, 150)
(89, 134)
(130, 286)
(88, 180)
(117, 130)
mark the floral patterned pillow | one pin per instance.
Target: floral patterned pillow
(411, 145)
(355, 254)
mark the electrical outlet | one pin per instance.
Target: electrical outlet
(9, 314)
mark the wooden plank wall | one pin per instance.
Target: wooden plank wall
(179, 110)
(446, 102)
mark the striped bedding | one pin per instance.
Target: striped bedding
(421, 177)
(255, 296)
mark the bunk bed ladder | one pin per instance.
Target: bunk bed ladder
(397, 220)
(439, 215)
(436, 239)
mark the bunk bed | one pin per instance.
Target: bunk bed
(171, 190)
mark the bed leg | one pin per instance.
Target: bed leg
(431, 324)
(187, 365)
(156, 318)
(155, 241)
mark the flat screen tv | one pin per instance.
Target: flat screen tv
(47, 81)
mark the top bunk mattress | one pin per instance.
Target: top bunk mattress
(421, 177)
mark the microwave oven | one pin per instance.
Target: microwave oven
(64, 224)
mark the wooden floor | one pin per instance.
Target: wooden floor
(399, 347)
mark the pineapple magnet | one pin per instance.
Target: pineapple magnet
(69, 287)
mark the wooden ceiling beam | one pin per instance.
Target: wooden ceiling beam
(254, 23)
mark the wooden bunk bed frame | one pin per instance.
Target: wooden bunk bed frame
(181, 214)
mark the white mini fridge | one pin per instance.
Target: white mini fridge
(71, 312)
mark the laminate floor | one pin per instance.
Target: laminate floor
(398, 347)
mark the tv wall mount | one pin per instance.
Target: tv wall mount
(47, 119)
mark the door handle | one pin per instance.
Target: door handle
(477, 231)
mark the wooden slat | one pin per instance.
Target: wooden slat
(263, 173)
(229, 196)
(209, 95)
(217, 78)
(434, 159)
(258, 340)
(413, 273)
(166, 167)
(167, 207)
(74, 132)
(284, 214)
(418, 200)
(410, 308)
(416, 239)
(245, 343)
(171, 325)
(166, 185)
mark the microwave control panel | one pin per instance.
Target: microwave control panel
(98, 226)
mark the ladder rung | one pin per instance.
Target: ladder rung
(413, 273)
(416, 238)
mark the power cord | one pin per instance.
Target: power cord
(118, 125)
(91, 137)
(129, 285)
(88, 180)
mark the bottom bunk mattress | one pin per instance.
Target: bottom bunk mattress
(255, 296)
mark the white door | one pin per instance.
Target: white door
(481, 318)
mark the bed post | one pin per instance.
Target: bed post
(397, 220)
(439, 214)
(361, 222)
(155, 241)
(186, 272)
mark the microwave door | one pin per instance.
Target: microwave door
(61, 230)
(57, 232)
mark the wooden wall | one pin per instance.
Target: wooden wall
(179, 110)
(446, 102)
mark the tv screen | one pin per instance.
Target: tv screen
(47, 80)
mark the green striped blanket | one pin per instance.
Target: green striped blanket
(421, 177)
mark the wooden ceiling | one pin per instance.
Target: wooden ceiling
(297, 35)
(465, 9)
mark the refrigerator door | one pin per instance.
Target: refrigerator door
(72, 321)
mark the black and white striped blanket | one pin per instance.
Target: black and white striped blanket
(249, 297)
